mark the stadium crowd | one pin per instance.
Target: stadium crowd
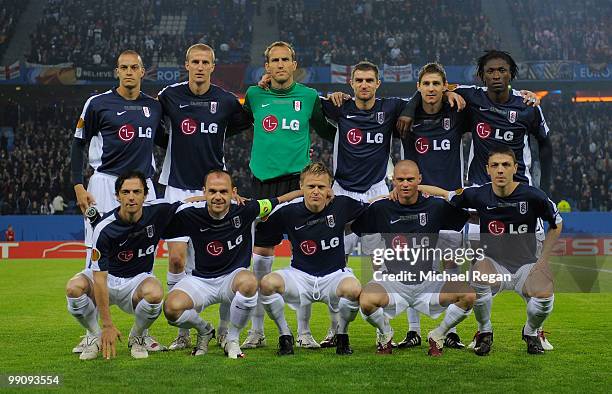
(9, 14)
(37, 170)
(381, 32)
(564, 29)
(91, 34)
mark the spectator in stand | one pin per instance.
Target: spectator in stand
(59, 205)
(23, 204)
(9, 234)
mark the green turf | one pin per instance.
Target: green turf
(37, 335)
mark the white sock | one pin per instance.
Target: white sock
(240, 311)
(145, 314)
(275, 306)
(303, 319)
(453, 316)
(350, 243)
(191, 319)
(482, 307)
(347, 310)
(538, 309)
(334, 318)
(224, 318)
(84, 310)
(262, 265)
(377, 319)
(171, 280)
(414, 321)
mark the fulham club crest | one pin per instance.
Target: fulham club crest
(331, 222)
(380, 117)
(446, 124)
(213, 107)
(423, 218)
(297, 105)
(146, 111)
(150, 231)
(236, 221)
(523, 207)
(512, 116)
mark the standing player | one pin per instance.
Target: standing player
(198, 116)
(318, 273)
(282, 116)
(509, 212)
(123, 250)
(434, 144)
(222, 237)
(121, 126)
(413, 221)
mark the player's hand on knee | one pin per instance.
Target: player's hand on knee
(109, 337)
(530, 98)
(403, 125)
(265, 81)
(455, 100)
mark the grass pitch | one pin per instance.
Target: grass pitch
(37, 335)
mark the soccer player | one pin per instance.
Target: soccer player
(509, 211)
(282, 116)
(434, 144)
(121, 127)
(123, 250)
(199, 115)
(318, 273)
(222, 236)
(413, 221)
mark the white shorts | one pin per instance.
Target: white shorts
(208, 291)
(424, 297)
(376, 190)
(121, 290)
(303, 289)
(173, 194)
(447, 239)
(518, 278)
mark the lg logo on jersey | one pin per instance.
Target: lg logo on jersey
(190, 126)
(484, 131)
(310, 247)
(422, 145)
(215, 248)
(497, 227)
(270, 123)
(355, 137)
(127, 133)
(127, 255)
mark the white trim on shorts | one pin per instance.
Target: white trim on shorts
(376, 190)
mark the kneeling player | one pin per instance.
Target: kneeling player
(509, 212)
(124, 244)
(221, 233)
(411, 222)
(318, 273)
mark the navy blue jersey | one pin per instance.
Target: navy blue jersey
(221, 245)
(197, 125)
(317, 239)
(363, 141)
(508, 124)
(128, 249)
(508, 224)
(411, 226)
(434, 143)
(120, 132)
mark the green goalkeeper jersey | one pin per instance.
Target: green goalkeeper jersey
(281, 128)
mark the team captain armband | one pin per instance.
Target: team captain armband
(265, 207)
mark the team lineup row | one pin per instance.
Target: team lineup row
(121, 126)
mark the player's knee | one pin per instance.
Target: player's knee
(151, 290)
(269, 284)
(351, 290)
(76, 287)
(173, 308)
(468, 299)
(247, 284)
(176, 262)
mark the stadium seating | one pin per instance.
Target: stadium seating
(9, 15)
(391, 32)
(564, 29)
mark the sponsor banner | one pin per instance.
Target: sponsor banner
(58, 74)
(77, 250)
(596, 71)
(252, 75)
(94, 73)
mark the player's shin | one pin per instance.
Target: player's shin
(145, 314)
(262, 265)
(453, 316)
(482, 307)
(84, 311)
(377, 319)
(275, 307)
(347, 312)
(538, 309)
(191, 319)
(414, 320)
(171, 280)
(240, 311)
